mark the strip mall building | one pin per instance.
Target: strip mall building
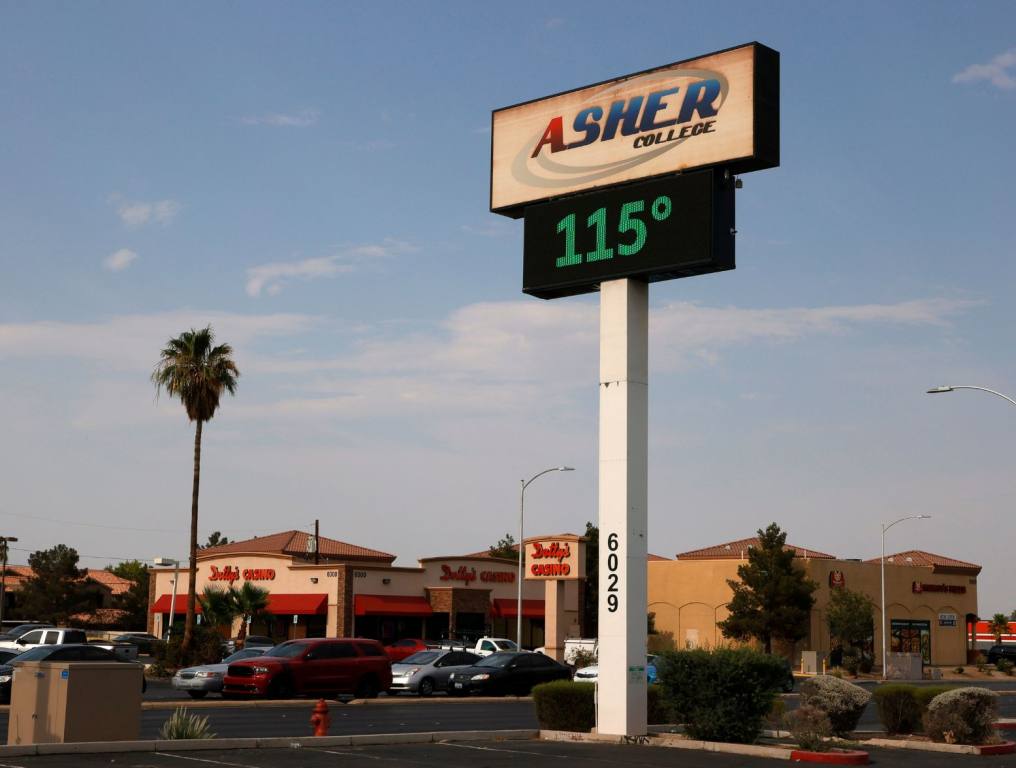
(352, 590)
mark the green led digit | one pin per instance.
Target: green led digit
(662, 207)
(602, 252)
(567, 225)
(631, 224)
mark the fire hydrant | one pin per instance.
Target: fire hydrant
(320, 718)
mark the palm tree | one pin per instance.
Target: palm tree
(999, 625)
(197, 372)
(250, 602)
(218, 607)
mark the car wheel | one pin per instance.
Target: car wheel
(426, 687)
(367, 688)
(197, 694)
(280, 688)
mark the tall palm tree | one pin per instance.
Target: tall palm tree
(998, 626)
(218, 607)
(249, 602)
(194, 370)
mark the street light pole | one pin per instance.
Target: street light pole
(885, 527)
(522, 548)
(3, 574)
(172, 601)
(953, 387)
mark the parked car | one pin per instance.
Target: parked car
(997, 652)
(69, 652)
(484, 646)
(591, 674)
(400, 649)
(507, 672)
(198, 682)
(144, 641)
(428, 671)
(6, 656)
(251, 641)
(331, 666)
(45, 636)
(17, 631)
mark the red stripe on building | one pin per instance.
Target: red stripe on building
(282, 605)
(162, 604)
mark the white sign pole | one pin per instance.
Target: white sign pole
(624, 452)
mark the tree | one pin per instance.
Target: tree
(850, 617)
(135, 600)
(773, 598)
(998, 626)
(193, 370)
(218, 607)
(591, 588)
(215, 539)
(505, 548)
(250, 602)
(55, 591)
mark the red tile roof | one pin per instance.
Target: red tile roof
(294, 544)
(938, 563)
(19, 574)
(735, 550)
(654, 558)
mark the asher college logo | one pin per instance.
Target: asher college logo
(686, 104)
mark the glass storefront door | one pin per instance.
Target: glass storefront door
(911, 636)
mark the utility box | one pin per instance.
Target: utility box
(55, 702)
(812, 661)
(905, 666)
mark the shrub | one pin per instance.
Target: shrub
(842, 702)
(898, 708)
(183, 725)
(206, 648)
(777, 715)
(925, 693)
(721, 695)
(852, 661)
(583, 658)
(565, 705)
(963, 716)
(810, 727)
(1004, 666)
(866, 664)
(959, 670)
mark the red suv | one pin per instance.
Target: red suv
(321, 666)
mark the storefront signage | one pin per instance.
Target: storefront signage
(837, 580)
(469, 575)
(918, 587)
(947, 619)
(717, 110)
(555, 559)
(232, 573)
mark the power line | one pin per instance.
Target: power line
(125, 527)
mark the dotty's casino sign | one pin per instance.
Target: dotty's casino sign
(559, 558)
(717, 110)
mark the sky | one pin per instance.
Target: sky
(312, 180)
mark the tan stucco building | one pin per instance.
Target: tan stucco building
(931, 599)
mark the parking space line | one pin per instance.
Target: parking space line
(351, 754)
(490, 749)
(204, 760)
(8, 765)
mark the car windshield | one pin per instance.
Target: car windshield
(506, 645)
(244, 654)
(498, 660)
(35, 654)
(421, 657)
(286, 650)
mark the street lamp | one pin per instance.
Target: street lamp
(3, 574)
(940, 390)
(172, 601)
(522, 548)
(886, 527)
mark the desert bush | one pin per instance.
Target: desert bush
(777, 715)
(564, 705)
(963, 716)
(721, 695)
(1004, 666)
(183, 725)
(851, 661)
(842, 702)
(810, 728)
(898, 708)
(866, 664)
(206, 648)
(582, 658)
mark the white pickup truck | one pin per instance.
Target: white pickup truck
(484, 646)
(61, 636)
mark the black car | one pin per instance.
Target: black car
(143, 641)
(507, 672)
(68, 652)
(997, 652)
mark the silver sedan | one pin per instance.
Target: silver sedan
(200, 681)
(427, 671)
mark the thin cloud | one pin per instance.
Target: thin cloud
(138, 213)
(119, 260)
(302, 119)
(271, 278)
(1000, 71)
(554, 23)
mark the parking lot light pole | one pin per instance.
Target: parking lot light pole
(522, 548)
(3, 574)
(954, 387)
(886, 527)
(172, 600)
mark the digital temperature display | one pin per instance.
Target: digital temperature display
(657, 230)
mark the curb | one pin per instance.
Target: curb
(275, 742)
(1005, 748)
(835, 757)
(672, 741)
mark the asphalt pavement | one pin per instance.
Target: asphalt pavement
(473, 754)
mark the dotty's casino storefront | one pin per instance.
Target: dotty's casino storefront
(344, 590)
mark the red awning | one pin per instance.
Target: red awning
(162, 604)
(391, 605)
(507, 608)
(283, 605)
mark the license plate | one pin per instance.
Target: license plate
(458, 685)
